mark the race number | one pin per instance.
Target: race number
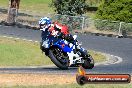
(54, 33)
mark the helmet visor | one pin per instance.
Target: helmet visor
(42, 26)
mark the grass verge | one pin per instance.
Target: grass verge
(23, 53)
(85, 86)
(32, 5)
(78, 86)
(49, 81)
(37, 6)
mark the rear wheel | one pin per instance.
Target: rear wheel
(88, 63)
(59, 58)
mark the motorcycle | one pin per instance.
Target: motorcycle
(65, 54)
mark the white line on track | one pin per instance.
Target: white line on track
(17, 38)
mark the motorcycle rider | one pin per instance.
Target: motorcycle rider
(56, 30)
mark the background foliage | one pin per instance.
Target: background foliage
(117, 10)
(73, 22)
(70, 7)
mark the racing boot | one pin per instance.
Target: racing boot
(82, 52)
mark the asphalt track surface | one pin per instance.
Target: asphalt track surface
(121, 47)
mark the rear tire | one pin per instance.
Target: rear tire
(56, 61)
(88, 63)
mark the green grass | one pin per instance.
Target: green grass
(78, 86)
(4, 3)
(22, 53)
(38, 6)
(98, 57)
(42, 6)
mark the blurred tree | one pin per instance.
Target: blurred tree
(12, 11)
(117, 10)
(70, 7)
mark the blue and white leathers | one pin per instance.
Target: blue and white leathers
(65, 47)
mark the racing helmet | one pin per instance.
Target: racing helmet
(44, 22)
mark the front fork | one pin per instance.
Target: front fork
(81, 51)
(74, 59)
(78, 56)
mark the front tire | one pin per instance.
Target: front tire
(57, 60)
(88, 63)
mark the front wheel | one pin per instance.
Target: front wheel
(59, 58)
(88, 63)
